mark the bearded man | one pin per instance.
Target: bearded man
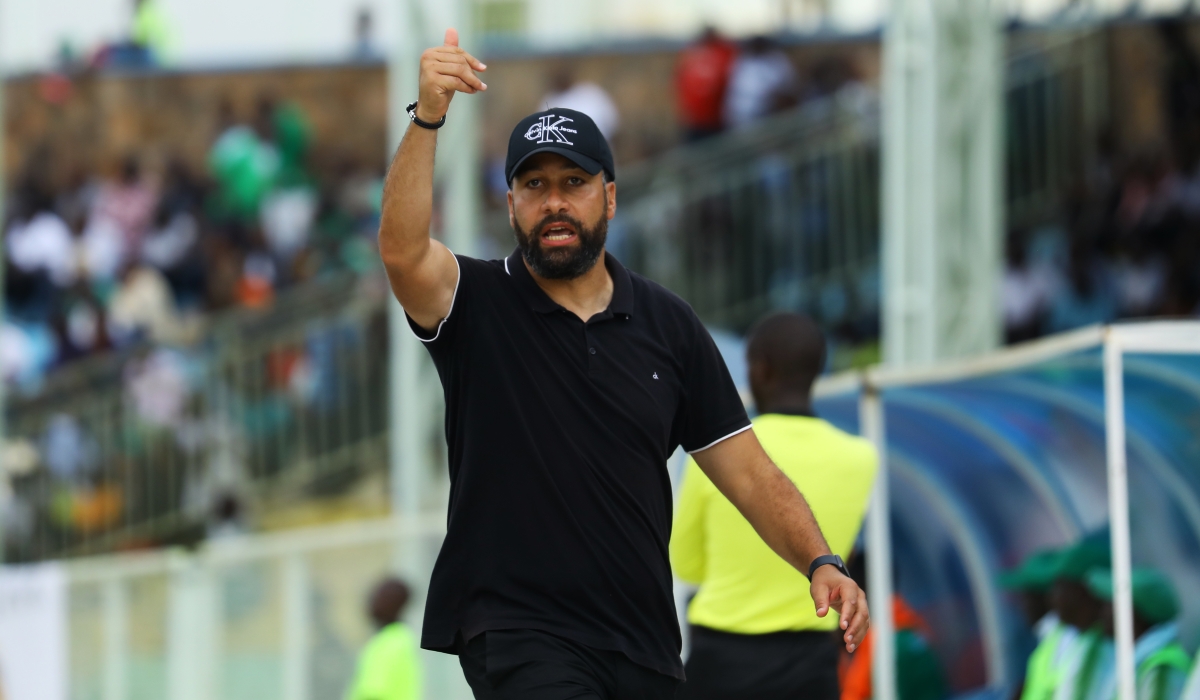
(569, 382)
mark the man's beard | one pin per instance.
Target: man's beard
(563, 263)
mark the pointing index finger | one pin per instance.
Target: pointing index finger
(475, 62)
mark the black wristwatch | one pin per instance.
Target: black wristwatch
(833, 559)
(412, 114)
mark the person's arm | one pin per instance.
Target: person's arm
(687, 534)
(767, 498)
(423, 272)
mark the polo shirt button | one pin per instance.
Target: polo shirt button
(592, 350)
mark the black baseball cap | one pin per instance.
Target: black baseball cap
(568, 133)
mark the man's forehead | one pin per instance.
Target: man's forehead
(549, 161)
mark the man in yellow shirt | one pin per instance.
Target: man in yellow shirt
(755, 630)
(388, 667)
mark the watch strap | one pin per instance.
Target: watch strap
(412, 114)
(820, 561)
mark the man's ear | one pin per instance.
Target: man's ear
(512, 217)
(610, 189)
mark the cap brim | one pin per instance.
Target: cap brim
(590, 165)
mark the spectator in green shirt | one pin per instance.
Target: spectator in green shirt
(1192, 690)
(388, 667)
(152, 31)
(1077, 606)
(1033, 579)
(1161, 663)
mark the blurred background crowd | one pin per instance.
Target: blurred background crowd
(195, 339)
(149, 206)
(106, 259)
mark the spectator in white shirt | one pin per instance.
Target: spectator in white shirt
(586, 97)
(762, 82)
(1025, 293)
(42, 242)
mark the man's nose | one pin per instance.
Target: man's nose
(555, 202)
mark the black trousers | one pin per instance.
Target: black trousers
(533, 665)
(725, 666)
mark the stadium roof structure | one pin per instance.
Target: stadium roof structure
(991, 459)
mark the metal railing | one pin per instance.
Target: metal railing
(786, 216)
(158, 444)
(782, 216)
(268, 617)
(1055, 114)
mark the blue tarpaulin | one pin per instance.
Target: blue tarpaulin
(994, 462)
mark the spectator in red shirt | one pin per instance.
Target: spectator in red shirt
(700, 80)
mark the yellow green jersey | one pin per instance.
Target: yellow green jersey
(746, 588)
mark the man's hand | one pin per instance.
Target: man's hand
(830, 588)
(446, 69)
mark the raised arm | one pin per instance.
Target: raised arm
(741, 469)
(423, 272)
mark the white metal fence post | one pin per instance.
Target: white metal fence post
(1118, 509)
(193, 630)
(115, 592)
(943, 175)
(3, 191)
(297, 628)
(879, 551)
(405, 394)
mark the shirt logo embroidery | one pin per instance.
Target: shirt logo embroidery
(543, 131)
(656, 375)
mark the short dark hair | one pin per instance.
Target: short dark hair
(388, 601)
(792, 345)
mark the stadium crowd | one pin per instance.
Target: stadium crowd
(1127, 244)
(104, 261)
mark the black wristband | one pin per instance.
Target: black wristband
(831, 559)
(412, 114)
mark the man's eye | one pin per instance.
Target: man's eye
(533, 183)
(576, 181)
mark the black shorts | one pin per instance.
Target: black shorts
(533, 665)
(725, 666)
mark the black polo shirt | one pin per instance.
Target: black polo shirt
(559, 432)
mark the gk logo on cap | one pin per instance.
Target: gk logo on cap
(543, 131)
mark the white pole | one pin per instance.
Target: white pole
(116, 639)
(461, 162)
(879, 552)
(404, 392)
(1118, 508)
(3, 193)
(942, 176)
(297, 627)
(193, 629)
(413, 386)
